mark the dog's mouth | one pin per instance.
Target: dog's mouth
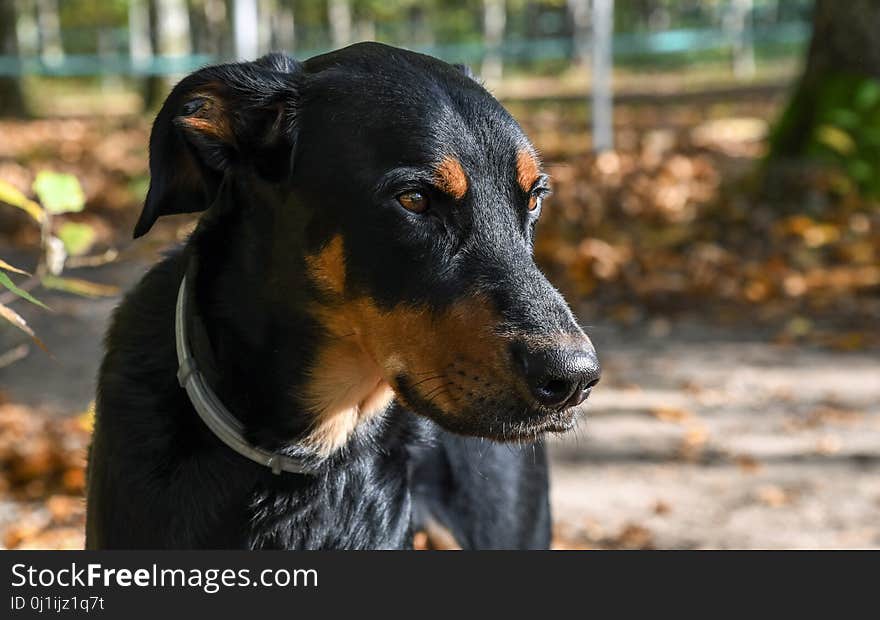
(500, 414)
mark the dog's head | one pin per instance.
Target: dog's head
(414, 197)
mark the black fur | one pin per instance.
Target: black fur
(308, 152)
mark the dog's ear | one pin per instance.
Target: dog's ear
(215, 120)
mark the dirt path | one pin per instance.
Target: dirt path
(701, 442)
(64, 382)
(700, 438)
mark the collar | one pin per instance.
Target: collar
(208, 405)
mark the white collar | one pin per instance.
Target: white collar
(211, 410)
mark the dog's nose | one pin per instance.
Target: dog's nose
(558, 377)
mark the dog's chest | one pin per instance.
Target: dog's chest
(362, 508)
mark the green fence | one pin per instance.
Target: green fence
(628, 47)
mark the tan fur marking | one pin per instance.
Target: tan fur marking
(346, 386)
(445, 355)
(420, 541)
(435, 537)
(450, 358)
(346, 390)
(450, 177)
(527, 169)
(327, 268)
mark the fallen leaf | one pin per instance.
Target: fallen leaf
(661, 507)
(747, 463)
(773, 496)
(673, 415)
(634, 536)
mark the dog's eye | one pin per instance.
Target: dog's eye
(193, 105)
(540, 190)
(537, 197)
(413, 201)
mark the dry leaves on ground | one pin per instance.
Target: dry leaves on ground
(42, 461)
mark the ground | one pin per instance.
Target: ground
(700, 438)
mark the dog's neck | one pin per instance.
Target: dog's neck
(297, 383)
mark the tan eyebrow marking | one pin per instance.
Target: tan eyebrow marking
(527, 170)
(450, 177)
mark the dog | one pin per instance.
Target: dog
(354, 349)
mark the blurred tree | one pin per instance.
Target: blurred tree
(419, 21)
(174, 31)
(139, 48)
(11, 98)
(26, 28)
(209, 21)
(49, 28)
(169, 37)
(266, 13)
(284, 28)
(494, 22)
(339, 16)
(154, 85)
(580, 17)
(740, 26)
(844, 51)
(365, 21)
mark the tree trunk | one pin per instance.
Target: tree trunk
(174, 32)
(154, 85)
(420, 27)
(845, 38)
(139, 48)
(581, 26)
(26, 27)
(284, 37)
(494, 23)
(364, 30)
(844, 46)
(277, 28)
(743, 42)
(267, 13)
(169, 38)
(216, 15)
(11, 98)
(339, 16)
(198, 25)
(49, 28)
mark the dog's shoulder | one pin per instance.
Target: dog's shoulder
(137, 375)
(142, 315)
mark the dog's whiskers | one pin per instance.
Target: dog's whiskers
(422, 374)
(340, 337)
(437, 391)
(435, 377)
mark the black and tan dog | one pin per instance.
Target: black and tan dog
(361, 296)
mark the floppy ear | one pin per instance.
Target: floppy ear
(215, 120)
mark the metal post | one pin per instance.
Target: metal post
(602, 109)
(245, 20)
